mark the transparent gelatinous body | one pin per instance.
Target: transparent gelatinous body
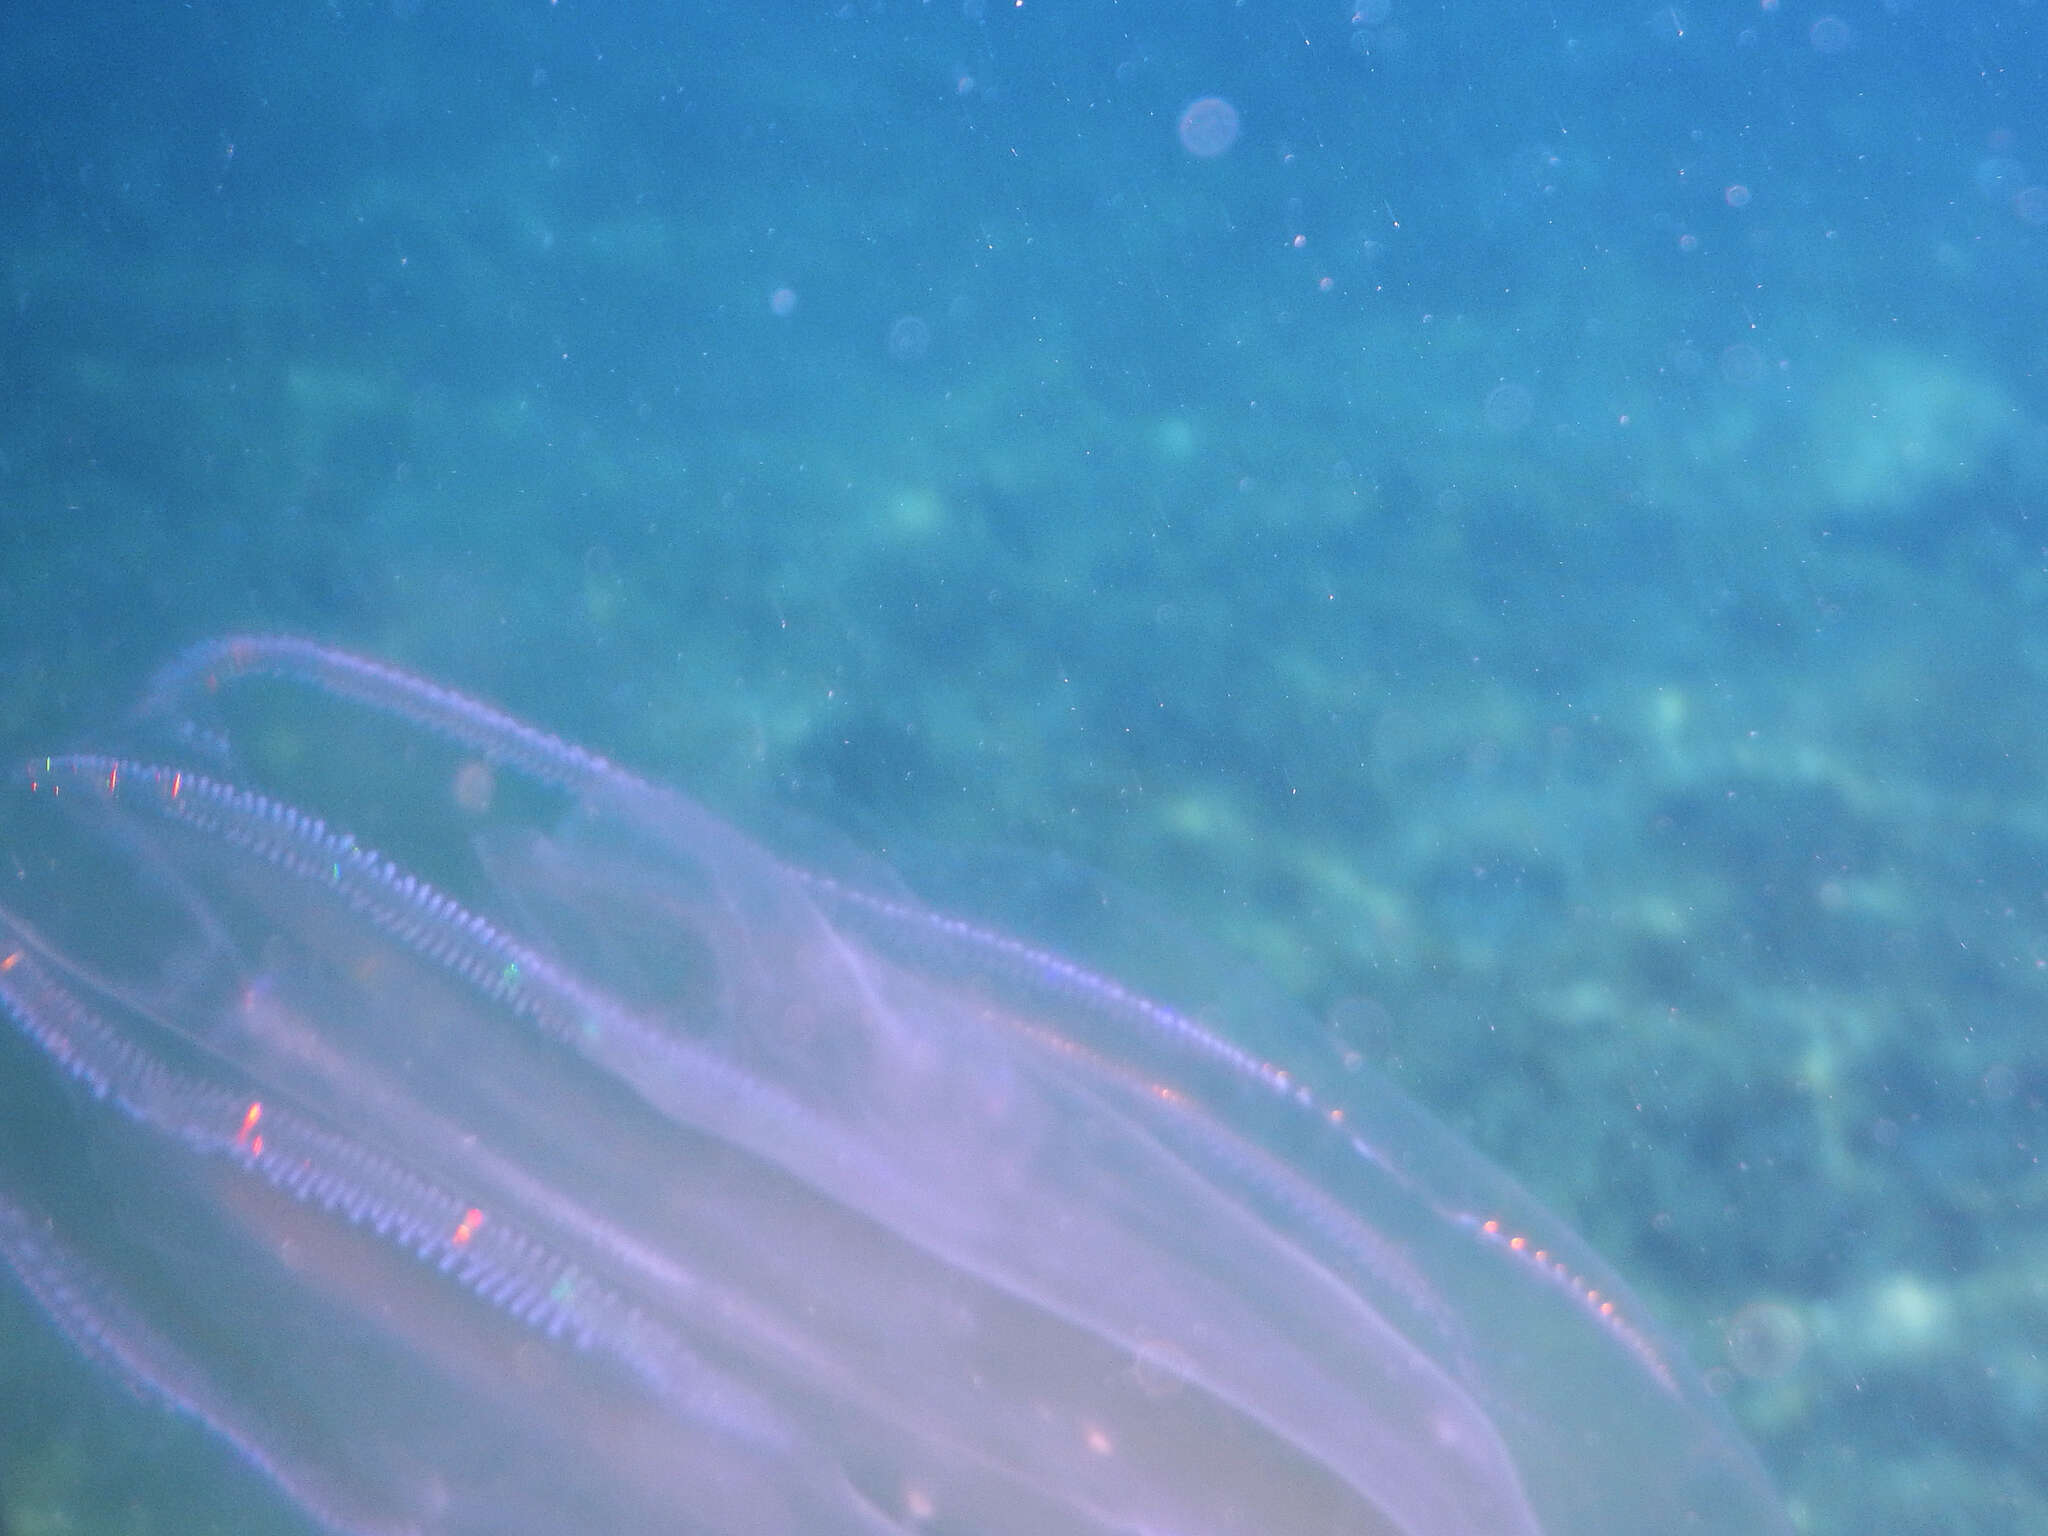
(574, 1163)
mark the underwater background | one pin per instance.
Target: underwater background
(1521, 520)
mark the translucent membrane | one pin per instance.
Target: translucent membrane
(652, 1184)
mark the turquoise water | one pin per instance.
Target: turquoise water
(1534, 545)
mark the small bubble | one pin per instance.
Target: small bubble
(1737, 196)
(1509, 408)
(909, 339)
(782, 303)
(2031, 205)
(1742, 364)
(1830, 34)
(1765, 1340)
(475, 786)
(1208, 127)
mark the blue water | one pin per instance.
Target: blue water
(1534, 547)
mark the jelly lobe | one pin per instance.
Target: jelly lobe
(276, 855)
(876, 1219)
